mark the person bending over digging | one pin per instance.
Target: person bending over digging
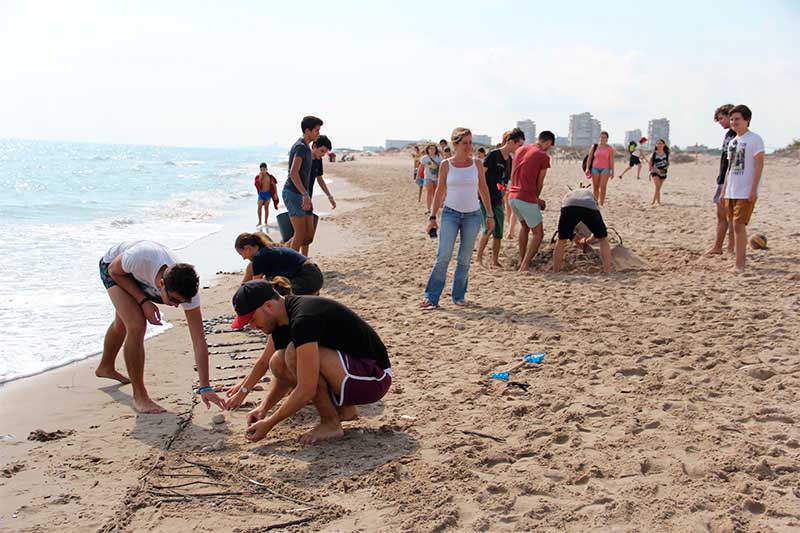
(581, 206)
(318, 350)
(139, 276)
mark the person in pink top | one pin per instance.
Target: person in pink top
(601, 163)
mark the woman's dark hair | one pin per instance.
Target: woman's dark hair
(431, 145)
(604, 133)
(262, 165)
(282, 285)
(442, 141)
(481, 150)
(323, 140)
(309, 123)
(259, 240)
(182, 278)
(514, 135)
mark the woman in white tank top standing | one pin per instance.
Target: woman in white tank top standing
(461, 182)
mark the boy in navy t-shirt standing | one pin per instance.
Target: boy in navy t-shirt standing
(296, 195)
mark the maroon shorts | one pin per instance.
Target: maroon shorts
(364, 382)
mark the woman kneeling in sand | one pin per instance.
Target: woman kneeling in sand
(269, 260)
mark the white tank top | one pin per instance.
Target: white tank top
(462, 188)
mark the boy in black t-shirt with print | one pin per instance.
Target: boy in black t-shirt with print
(722, 116)
(318, 350)
(498, 172)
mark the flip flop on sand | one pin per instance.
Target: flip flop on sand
(425, 305)
(462, 303)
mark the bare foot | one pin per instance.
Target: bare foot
(714, 251)
(111, 374)
(480, 260)
(326, 431)
(736, 270)
(347, 413)
(731, 251)
(148, 406)
(497, 264)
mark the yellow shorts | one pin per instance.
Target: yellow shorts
(739, 210)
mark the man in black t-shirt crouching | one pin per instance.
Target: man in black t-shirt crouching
(319, 350)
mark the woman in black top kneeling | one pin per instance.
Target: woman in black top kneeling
(269, 260)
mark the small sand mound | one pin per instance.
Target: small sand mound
(624, 259)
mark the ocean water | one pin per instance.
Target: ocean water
(62, 205)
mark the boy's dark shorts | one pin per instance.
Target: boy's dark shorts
(571, 215)
(364, 382)
(634, 161)
(109, 282)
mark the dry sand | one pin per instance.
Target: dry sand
(667, 400)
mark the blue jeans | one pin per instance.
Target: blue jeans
(452, 221)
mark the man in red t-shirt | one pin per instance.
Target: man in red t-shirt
(527, 179)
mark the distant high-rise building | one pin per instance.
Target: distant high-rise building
(528, 127)
(485, 140)
(562, 142)
(584, 129)
(633, 135)
(658, 128)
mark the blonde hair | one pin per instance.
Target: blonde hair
(505, 138)
(458, 135)
(282, 285)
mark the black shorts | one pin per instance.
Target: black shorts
(634, 161)
(571, 215)
(308, 280)
(109, 282)
(657, 175)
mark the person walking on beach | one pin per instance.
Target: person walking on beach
(443, 145)
(721, 116)
(416, 155)
(659, 163)
(577, 206)
(296, 197)
(743, 181)
(601, 159)
(271, 260)
(267, 187)
(461, 182)
(319, 351)
(637, 156)
(498, 172)
(481, 154)
(319, 150)
(431, 162)
(138, 275)
(527, 180)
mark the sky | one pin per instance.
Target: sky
(244, 73)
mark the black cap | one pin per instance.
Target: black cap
(249, 297)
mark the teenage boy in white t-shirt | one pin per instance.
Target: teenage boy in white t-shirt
(138, 275)
(743, 180)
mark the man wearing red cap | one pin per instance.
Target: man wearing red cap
(319, 350)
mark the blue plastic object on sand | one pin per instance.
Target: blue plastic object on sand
(533, 358)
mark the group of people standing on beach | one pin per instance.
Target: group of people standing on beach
(322, 352)
(478, 192)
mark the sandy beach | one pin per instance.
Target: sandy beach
(667, 399)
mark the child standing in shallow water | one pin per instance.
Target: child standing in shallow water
(659, 163)
(267, 190)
